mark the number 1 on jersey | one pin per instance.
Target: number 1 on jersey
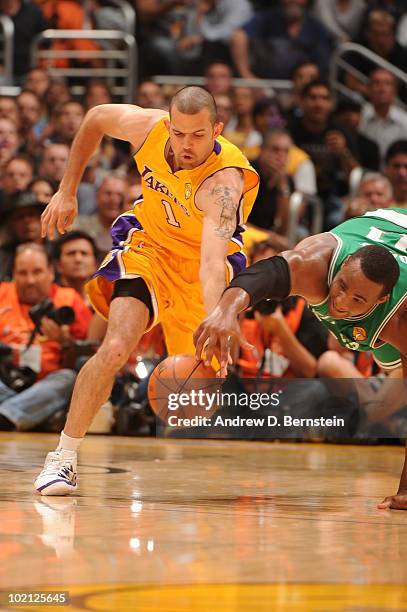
(170, 214)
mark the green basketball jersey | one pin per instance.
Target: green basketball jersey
(386, 227)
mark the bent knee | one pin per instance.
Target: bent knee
(114, 353)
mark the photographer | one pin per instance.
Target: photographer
(32, 384)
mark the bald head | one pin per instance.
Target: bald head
(192, 100)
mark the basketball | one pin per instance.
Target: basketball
(179, 386)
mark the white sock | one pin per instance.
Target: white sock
(67, 443)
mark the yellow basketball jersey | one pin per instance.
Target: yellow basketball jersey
(168, 212)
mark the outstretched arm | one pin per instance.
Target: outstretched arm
(219, 198)
(122, 121)
(301, 271)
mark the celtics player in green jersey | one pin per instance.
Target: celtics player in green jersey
(354, 279)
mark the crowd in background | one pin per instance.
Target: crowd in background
(351, 155)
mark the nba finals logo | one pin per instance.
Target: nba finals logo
(188, 190)
(359, 333)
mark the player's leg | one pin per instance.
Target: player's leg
(128, 319)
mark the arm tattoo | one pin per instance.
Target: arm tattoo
(228, 200)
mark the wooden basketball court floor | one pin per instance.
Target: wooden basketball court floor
(195, 525)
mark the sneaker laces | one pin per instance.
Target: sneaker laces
(56, 462)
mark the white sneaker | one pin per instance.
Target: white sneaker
(59, 474)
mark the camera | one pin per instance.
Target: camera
(17, 379)
(62, 316)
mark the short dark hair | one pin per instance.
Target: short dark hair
(378, 265)
(300, 65)
(264, 104)
(21, 157)
(69, 237)
(347, 105)
(399, 146)
(315, 83)
(192, 99)
(42, 179)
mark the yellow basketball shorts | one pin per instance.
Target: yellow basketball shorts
(173, 281)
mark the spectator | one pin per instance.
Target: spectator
(268, 115)
(218, 78)
(43, 189)
(9, 110)
(341, 17)
(161, 24)
(395, 8)
(96, 92)
(302, 74)
(37, 81)
(67, 15)
(28, 22)
(381, 120)
(379, 38)
(32, 123)
(241, 129)
(75, 257)
(328, 146)
(149, 95)
(104, 16)
(279, 39)
(208, 27)
(9, 143)
(396, 171)
(224, 106)
(379, 397)
(54, 161)
(69, 117)
(49, 386)
(131, 194)
(109, 202)
(270, 210)
(347, 115)
(18, 173)
(374, 191)
(56, 94)
(22, 223)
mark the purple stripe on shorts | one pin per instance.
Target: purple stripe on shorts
(121, 231)
(121, 228)
(111, 270)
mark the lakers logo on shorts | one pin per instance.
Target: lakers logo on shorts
(359, 333)
(188, 190)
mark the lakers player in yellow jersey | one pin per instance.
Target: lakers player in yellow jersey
(172, 255)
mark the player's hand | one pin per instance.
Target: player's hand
(59, 214)
(396, 502)
(213, 338)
